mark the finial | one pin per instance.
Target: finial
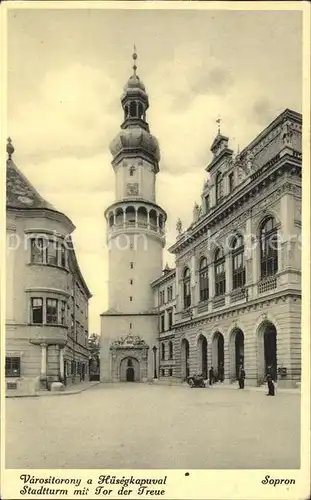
(134, 59)
(9, 148)
(218, 121)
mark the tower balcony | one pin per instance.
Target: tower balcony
(135, 217)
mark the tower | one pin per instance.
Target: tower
(135, 238)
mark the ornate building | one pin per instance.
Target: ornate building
(46, 295)
(235, 296)
(135, 237)
(238, 269)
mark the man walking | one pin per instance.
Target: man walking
(242, 376)
(211, 375)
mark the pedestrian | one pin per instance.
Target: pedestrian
(221, 372)
(270, 383)
(211, 375)
(242, 376)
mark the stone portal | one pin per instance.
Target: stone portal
(129, 359)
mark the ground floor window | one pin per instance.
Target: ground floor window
(12, 367)
(170, 372)
(163, 373)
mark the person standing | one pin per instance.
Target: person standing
(242, 376)
(211, 375)
(270, 383)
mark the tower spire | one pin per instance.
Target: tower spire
(134, 56)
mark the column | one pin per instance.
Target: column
(211, 280)
(114, 218)
(158, 228)
(61, 363)
(148, 219)
(228, 269)
(124, 218)
(43, 360)
(136, 217)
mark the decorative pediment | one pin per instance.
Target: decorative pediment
(128, 342)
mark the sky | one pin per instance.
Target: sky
(66, 72)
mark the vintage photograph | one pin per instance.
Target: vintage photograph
(153, 239)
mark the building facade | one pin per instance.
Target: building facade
(238, 268)
(46, 295)
(135, 237)
(234, 298)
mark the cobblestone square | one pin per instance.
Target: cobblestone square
(144, 426)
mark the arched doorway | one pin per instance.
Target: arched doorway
(218, 354)
(239, 351)
(202, 355)
(270, 350)
(129, 370)
(267, 351)
(185, 349)
(130, 373)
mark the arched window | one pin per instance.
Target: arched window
(268, 248)
(170, 349)
(126, 112)
(220, 272)
(133, 109)
(203, 280)
(187, 291)
(238, 267)
(140, 110)
(219, 187)
(129, 362)
(162, 350)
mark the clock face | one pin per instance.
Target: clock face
(26, 200)
(132, 189)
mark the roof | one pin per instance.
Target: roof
(20, 193)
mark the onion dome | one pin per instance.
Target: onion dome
(135, 138)
(134, 87)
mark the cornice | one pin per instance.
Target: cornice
(237, 309)
(259, 182)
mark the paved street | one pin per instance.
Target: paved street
(145, 426)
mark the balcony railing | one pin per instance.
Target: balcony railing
(238, 294)
(267, 284)
(219, 301)
(202, 307)
(139, 224)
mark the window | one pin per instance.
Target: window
(131, 282)
(170, 319)
(231, 182)
(238, 268)
(220, 273)
(170, 349)
(63, 256)
(204, 293)
(162, 323)
(170, 372)
(268, 248)
(132, 170)
(73, 367)
(52, 253)
(51, 311)
(207, 203)
(12, 367)
(161, 298)
(131, 299)
(63, 313)
(37, 311)
(162, 350)
(132, 265)
(37, 251)
(187, 291)
(169, 293)
(219, 187)
(163, 373)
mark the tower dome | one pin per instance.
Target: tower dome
(135, 138)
